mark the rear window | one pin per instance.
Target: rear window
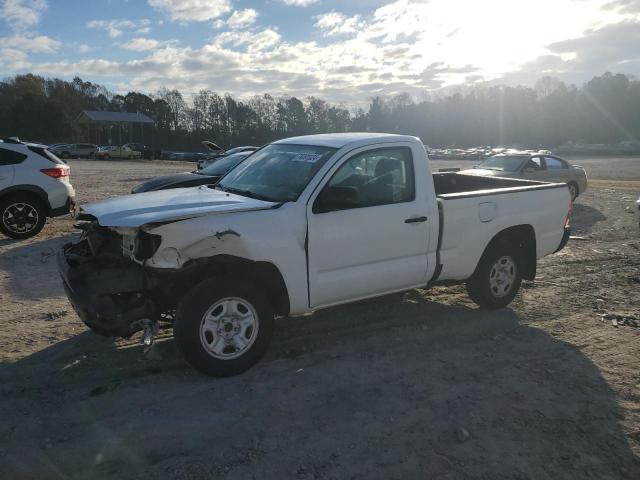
(9, 157)
(44, 153)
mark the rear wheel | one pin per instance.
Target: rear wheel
(497, 278)
(22, 216)
(223, 326)
(65, 155)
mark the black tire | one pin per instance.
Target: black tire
(482, 287)
(65, 155)
(574, 191)
(32, 216)
(190, 318)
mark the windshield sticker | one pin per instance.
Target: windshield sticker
(306, 157)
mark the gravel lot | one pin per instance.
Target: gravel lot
(414, 385)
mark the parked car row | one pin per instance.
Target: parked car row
(124, 152)
(475, 153)
(34, 181)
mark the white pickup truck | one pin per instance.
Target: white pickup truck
(302, 224)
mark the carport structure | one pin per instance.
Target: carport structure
(98, 127)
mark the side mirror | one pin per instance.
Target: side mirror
(336, 198)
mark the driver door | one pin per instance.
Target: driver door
(367, 230)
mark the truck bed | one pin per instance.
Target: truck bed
(458, 185)
(473, 208)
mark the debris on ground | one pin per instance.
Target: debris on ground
(622, 320)
(50, 316)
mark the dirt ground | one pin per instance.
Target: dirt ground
(416, 385)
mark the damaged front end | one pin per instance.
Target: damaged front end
(107, 283)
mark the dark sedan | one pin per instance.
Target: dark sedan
(207, 176)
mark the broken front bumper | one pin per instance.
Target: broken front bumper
(107, 293)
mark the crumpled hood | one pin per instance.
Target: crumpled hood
(165, 205)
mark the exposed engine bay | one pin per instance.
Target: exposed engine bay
(105, 270)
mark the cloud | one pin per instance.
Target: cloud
(605, 49)
(14, 49)
(115, 28)
(252, 41)
(336, 23)
(299, 3)
(141, 44)
(612, 48)
(242, 18)
(22, 14)
(36, 44)
(192, 10)
(624, 6)
(408, 46)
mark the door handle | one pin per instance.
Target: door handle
(416, 220)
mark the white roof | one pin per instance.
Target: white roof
(339, 140)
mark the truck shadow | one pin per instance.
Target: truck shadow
(31, 269)
(584, 217)
(397, 387)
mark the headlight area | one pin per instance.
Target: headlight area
(139, 245)
(107, 283)
(146, 245)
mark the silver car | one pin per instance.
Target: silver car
(537, 166)
(74, 150)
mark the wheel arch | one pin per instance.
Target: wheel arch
(522, 237)
(33, 190)
(260, 273)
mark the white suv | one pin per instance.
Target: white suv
(34, 185)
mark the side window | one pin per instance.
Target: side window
(535, 164)
(376, 177)
(554, 163)
(9, 157)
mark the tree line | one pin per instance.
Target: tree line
(603, 110)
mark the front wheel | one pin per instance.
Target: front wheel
(497, 278)
(223, 326)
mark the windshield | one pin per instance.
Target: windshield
(278, 172)
(503, 163)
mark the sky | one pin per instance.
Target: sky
(345, 51)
